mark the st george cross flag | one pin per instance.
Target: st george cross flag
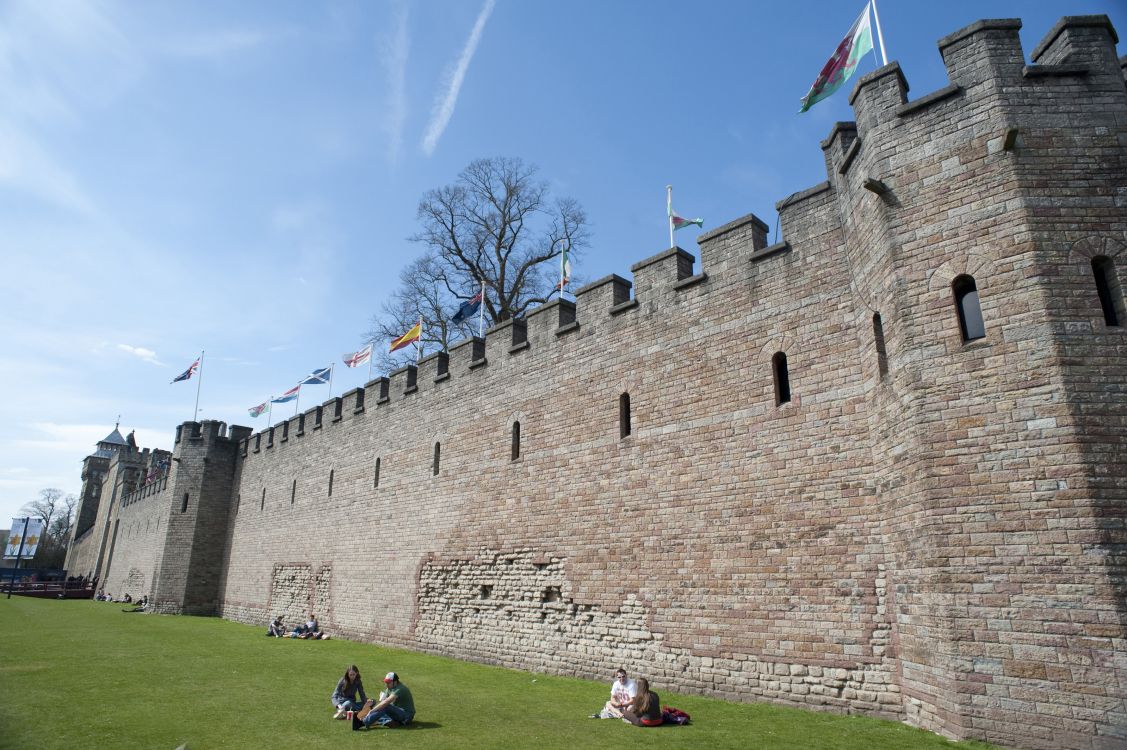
(258, 411)
(841, 66)
(30, 540)
(289, 395)
(407, 338)
(187, 373)
(468, 309)
(317, 377)
(355, 359)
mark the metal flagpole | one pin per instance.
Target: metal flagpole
(669, 210)
(481, 312)
(199, 382)
(331, 366)
(369, 361)
(269, 410)
(19, 554)
(880, 36)
(419, 344)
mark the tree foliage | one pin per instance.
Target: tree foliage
(497, 224)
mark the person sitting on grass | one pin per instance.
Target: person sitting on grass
(645, 709)
(277, 629)
(395, 708)
(345, 695)
(622, 692)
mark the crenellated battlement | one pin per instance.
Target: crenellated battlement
(984, 62)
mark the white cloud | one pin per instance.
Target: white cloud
(141, 352)
(393, 54)
(444, 103)
(25, 167)
(221, 44)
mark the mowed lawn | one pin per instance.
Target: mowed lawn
(83, 674)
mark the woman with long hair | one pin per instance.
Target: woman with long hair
(344, 697)
(645, 709)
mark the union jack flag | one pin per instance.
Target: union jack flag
(187, 373)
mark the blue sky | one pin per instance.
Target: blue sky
(242, 177)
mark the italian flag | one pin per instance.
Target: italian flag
(841, 66)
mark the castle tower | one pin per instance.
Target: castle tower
(187, 575)
(975, 221)
(94, 468)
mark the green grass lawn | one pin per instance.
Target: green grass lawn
(82, 674)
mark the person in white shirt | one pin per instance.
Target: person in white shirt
(622, 692)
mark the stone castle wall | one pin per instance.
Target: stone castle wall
(929, 529)
(139, 527)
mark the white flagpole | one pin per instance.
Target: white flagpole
(419, 344)
(269, 410)
(199, 382)
(669, 210)
(369, 361)
(481, 312)
(331, 366)
(297, 401)
(880, 36)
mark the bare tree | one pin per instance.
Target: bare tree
(497, 224)
(45, 508)
(56, 511)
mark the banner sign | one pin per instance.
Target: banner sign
(30, 540)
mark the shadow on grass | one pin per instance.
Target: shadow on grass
(412, 726)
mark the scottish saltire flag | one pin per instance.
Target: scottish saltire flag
(289, 395)
(30, 540)
(187, 373)
(407, 338)
(468, 309)
(355, 359)
(317, 377)
(258, 411)
(843, 63)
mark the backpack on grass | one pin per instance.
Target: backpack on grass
(670, 715)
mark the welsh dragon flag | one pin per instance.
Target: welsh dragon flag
(843, 63)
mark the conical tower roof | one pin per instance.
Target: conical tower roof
(111, 443)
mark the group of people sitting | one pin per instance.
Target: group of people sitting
(394, 708)
(311, 630)
(632, 701)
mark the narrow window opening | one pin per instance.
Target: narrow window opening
(1107, 286)
(437, 458)
(331, 472)
(184, 504)
(293, 492)
(550, 594)
(516, 441)
(782, 378)
(376, 481)
(624, 415)
(970, 312)
(878, 337)
(486, 592)
(262, 502)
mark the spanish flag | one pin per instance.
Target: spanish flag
(407, 338)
